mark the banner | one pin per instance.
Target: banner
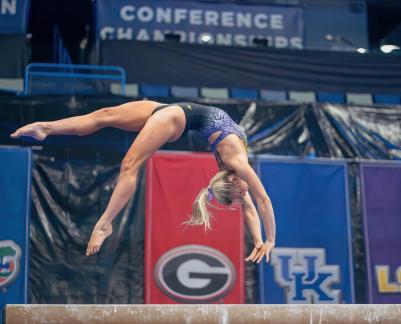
(14, 16)
(200, 22)
(185, 264)
(381, 189)
(312, 261)
(15, 196)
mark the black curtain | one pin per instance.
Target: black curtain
(184, 65)
(70, 191)
(14, 56)
(325, 130)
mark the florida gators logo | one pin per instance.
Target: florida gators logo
(10, 255)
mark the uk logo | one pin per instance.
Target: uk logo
(10, 256)
(305, 277)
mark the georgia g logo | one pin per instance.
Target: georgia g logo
(194, 274)
(304, 275)
(10, 255)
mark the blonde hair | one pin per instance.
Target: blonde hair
(221, 189)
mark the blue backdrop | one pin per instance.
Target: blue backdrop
(14, 16)
(312, 261)
(15, 197)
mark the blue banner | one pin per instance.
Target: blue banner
(14, 16)
(200, 22)
(312, 261)
(15, 197)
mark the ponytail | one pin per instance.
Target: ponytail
(200, 212)
(220, 188)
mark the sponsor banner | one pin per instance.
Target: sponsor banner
(14, 16)
(185, 264)
(15, 190)
(199, 22)
(312, 262)
(381, 189)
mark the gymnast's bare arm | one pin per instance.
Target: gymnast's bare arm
(253, 222)
(245, 172)
(235, 158)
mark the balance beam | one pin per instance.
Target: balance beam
(209, 314)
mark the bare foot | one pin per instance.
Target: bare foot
(99, 234)
(35, 130)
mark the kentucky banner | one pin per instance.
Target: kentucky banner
(185, 264)
(381, 197)
(312, 261)
(200, 22)
(15, 193)
(14, 16)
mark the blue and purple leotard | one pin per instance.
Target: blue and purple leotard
(208, 120)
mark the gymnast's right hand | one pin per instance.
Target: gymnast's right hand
(36, 130)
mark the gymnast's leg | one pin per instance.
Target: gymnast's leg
(159, 129)
(131, 116)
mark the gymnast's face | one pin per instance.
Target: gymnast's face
(240, 187)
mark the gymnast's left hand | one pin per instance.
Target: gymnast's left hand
(259, 251)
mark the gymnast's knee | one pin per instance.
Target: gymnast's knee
(130, 165)
(103, 117)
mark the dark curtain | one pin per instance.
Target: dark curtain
(184, 65)
(325, 130)
(71, 189)
(361, 132)
(14, 56)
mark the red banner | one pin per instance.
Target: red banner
(185, 264)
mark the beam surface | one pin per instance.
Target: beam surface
(209, 314)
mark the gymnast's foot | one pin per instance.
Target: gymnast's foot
(100, 233)
(36, 130)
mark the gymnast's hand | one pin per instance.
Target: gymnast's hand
(37, 130)
(259, 251)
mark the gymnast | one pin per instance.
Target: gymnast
(157, 124)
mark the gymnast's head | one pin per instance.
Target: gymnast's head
(226, 188)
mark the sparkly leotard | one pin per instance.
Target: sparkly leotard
(208, 120)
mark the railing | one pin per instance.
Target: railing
(52, 78)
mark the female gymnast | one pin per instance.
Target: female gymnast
(158, 124)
